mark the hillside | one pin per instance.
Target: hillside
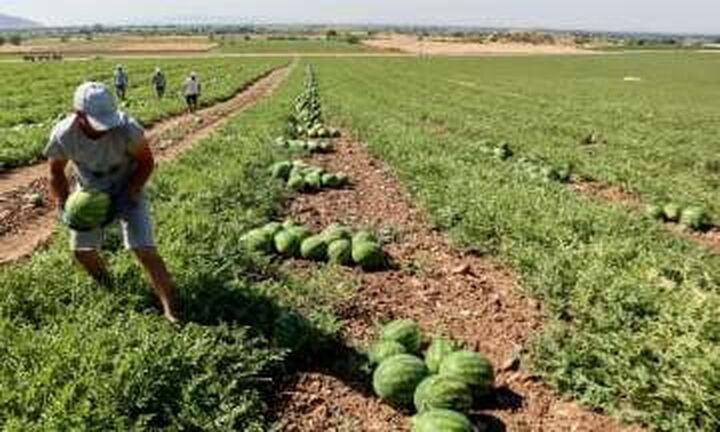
(11, 22)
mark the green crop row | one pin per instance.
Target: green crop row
(79, 357)
(632, 323)
(35, 96)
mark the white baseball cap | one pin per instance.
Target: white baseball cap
(97, 103)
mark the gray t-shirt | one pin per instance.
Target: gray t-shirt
(104, 164)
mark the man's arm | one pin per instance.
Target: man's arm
(59, 185)
(145, 167)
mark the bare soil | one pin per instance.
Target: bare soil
(26, 211)
(447, 291)
(120, 45)
(410, 44)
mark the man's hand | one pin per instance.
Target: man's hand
(145, 166)
(59, 185)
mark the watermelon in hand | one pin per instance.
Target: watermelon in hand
(87, 209)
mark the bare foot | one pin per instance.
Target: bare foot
(174, 319)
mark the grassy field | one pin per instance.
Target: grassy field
(78, 357)
(35, 95)
(632, 309)
(314, 46)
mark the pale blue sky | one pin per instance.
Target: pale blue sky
(642, 15)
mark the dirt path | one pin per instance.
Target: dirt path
(468, 297)
(27, 213)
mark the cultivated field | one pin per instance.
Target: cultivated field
(308, 46)
(35, 95)
(456, 164)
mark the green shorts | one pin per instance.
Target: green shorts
(135, 224)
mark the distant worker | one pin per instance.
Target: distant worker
(192, 90)
(158, 83)
(109, 153)
(121, 82)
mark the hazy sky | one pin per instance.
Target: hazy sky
(643, 15)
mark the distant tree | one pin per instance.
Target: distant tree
(352, 40)
(64, 38)
(2, 40)
(331, 34)
(16, 39)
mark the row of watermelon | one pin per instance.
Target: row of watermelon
(307, 120)
(442, 387)
(535, 168)
(336, 244)
(693, 217)
(303, 177)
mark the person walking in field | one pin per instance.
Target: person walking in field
(121, 82)
(109, 153)
(192, 90)
(158, 83)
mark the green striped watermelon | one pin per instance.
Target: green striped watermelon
(472, 368)
(258, 240)
(87, 209)
(383, 350)
(340, 252)
(438, 350)
(443, 392)
(314, 248)
(695, 218)
(368, 255)
(396, 379)
(405, 332)
(441, 421)
(287, 243)
(336, 232)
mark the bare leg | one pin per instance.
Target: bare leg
(91, 261)
(154, 265)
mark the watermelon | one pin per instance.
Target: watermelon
(443, 392)
(287, 243)
(273, 228)
(87, 209)
(549, 174)
(336, 232)
(364, 236)
(695, 218)
(296, 182)
(368, 255)
(503, 152)
(314, 248)
(441, 421)
(672, 212)
(396, 379)
(405, 332)
(324, 147)
(382, 350)
(314, 180)
(472, 368)
(340, 252)
(654, 212)
(291, 331)
(436, 353)
(281, 142)
(330, 180)
(258, 240)
(301, 232)
(313, 146)
(281, 170)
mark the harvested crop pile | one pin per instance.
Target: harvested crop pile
(302, 177)
(336, 244)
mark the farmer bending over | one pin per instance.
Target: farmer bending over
(121, 82)
(109, 153)
(158, 83)
(191, 89)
